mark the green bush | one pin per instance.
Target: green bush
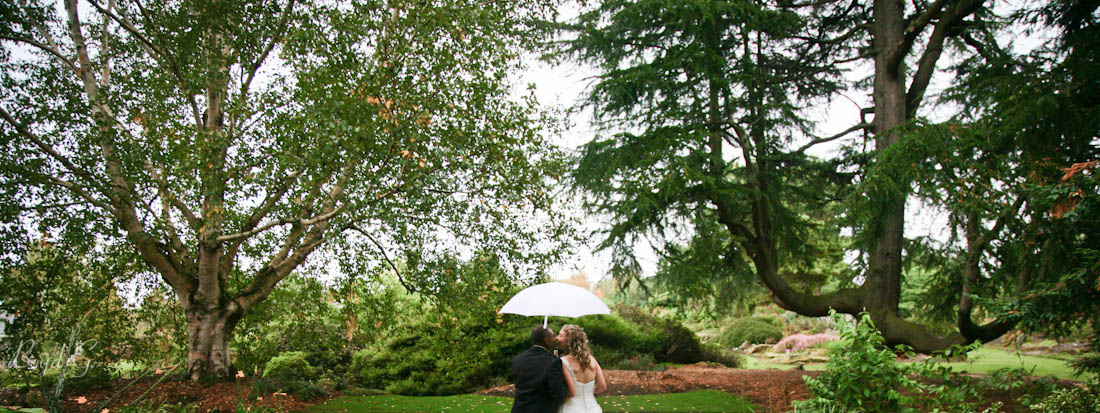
(612, 358)
(1071, 400)
(610, 330)
(289, 366)
(680, 345)
(304, 390)
(634, 331)
(424, 359)
(861, 376)
(719, 354)
(750, 330)
(298, 316)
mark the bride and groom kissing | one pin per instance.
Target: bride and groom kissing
(547, 383)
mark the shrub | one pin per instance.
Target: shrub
(613, 331)
(1084, 399)
(612, 358)
(862, 376)
(296, 317)
(750, 330)
(680, 345)
(723, 355)
(96, 377)
(263, 387)
(635, 331)
(289, 366)
(796, 342)
(641, 361)
(304, 390)
(426, 360)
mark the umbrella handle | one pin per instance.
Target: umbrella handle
(544, 318)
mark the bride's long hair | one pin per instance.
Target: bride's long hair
(576, 341)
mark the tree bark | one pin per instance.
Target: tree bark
(209, 329)
(883, 283)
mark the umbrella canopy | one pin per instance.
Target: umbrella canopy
(557, 299)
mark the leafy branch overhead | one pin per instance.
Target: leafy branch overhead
(227, 143)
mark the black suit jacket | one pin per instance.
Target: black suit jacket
(540, 385)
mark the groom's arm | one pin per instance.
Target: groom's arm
(556, 381)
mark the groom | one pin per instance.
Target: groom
(540, 385)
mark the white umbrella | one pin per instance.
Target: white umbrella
(557, 299)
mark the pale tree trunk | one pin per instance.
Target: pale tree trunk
(208, 336)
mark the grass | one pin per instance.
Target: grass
(753, 363)
(987, 359)
(698, 401)
(982, 361)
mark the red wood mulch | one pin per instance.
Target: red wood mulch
(216, 397)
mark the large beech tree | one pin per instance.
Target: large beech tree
(713, 96)
(225, 143)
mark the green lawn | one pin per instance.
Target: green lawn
(753, 363)
(698, 401)
(982, 361)
(987, 359)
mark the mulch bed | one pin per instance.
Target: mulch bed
(214, 397)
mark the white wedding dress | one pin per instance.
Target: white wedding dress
(585, 400)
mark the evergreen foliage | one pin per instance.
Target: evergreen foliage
(705, 151)
(289, 366)
(749, 330)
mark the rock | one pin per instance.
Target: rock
(758, 349)
(799, 358)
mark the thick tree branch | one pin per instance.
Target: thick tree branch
(815, 141)
(977, 241)
(167, 194)
(119, 191)
(255, 66)
(154, 52)
(846, 36)
(48, 48)
(45, 147)
(913, 30)
(282, 265)
(945, 27)
(300, 221)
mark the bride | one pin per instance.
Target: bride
(583, 376)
